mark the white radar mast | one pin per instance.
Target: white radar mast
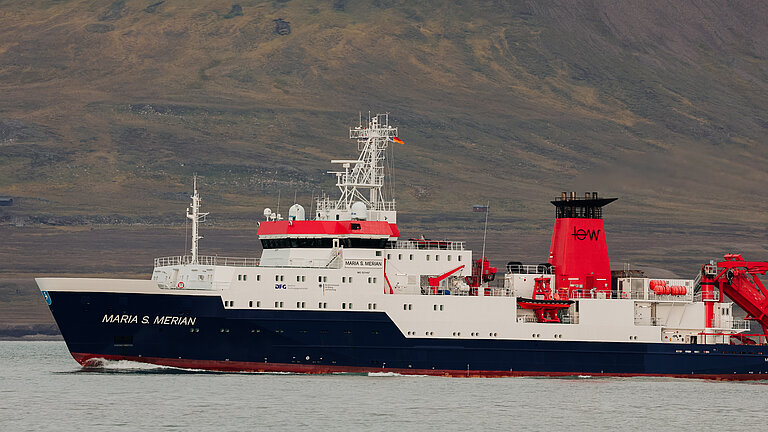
(196, 218)
(362, 180)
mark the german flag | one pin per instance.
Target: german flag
(398, 140)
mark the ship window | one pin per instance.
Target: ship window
(303, 278)
(374, 305)
(320, 305)
(378, 253)
(410, 257)
(282, 278)
(369, 280)
(410, 307)
(449, 257)
(435, 307)
(374, 280)
(245, 277)
(200, 277)
(399, 256)
(276, 304)
(239, 277)
(337, 217)
(277, 278)
(343, 305)
(258, 277)
(441, 307)
(437, 257)
(354, 226)
(389, 256)
(405, 307)
(250, 303)
(281, 304)
(343, 279)
(350, 279)
(325, 278)
(427, 257)
(258, 304)
(459, 257)
(319, 278)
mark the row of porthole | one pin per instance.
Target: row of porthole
(633, 338)
(435, 307)
(407, 306)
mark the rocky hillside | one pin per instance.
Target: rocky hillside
(108, 108)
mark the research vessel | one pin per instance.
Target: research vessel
(337, 289)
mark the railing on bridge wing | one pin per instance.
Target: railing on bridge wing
(206, 260)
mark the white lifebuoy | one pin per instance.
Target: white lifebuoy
(180, 285)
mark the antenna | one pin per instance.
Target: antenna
(485, 230)
(196, 217)
(278, 202)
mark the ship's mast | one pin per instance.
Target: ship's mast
(362, 180)
(196, 217)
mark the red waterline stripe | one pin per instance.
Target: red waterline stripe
(87, 359)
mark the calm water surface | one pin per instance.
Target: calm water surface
(42, 388)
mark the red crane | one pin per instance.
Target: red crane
(738, 279)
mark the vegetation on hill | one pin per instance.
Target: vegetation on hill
(108, 108)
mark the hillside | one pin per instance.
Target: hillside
(108, 109)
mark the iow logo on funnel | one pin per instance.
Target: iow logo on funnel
(582, 234)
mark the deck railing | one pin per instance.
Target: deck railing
(428, 244)
(206, 260)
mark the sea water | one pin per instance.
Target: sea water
(42, 388)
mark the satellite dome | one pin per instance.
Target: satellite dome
(359, 211)
(296, 212)
(267, 213)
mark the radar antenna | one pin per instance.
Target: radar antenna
(362, 180)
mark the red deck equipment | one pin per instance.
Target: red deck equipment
(738, 279)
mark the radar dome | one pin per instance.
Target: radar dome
(296, 212)
(359, 211)
(267, 213)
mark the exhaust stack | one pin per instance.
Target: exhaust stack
(578, 249)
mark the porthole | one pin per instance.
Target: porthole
(245, 277)
(250, 303)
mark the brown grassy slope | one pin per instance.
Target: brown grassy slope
(661, 104)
